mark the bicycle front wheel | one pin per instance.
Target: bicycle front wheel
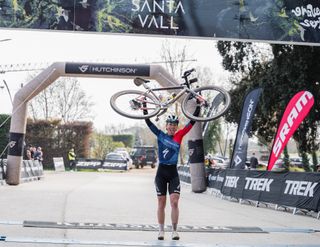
(216, 103)
(131, 103)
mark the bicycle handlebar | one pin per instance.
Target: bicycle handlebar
(185, 77)
(187, 73)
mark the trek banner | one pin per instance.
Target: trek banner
(277, 21)
(239, 154)
(297, 109)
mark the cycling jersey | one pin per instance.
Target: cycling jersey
(169, 146)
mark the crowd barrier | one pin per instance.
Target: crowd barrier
(30, 170)
(101, 165)
(296, 190)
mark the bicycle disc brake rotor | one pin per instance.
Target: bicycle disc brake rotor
(214, 103)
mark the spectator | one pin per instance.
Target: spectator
(38, 154)
(72, 159)
(32, 151)
(253, 162)
(28, 154)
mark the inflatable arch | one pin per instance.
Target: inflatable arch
(50, 74)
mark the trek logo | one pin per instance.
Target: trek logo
(84, 68)
(165, 152)
(291, 118)
(258, 184)
(300, 188)
(12, 144)
(231, 181)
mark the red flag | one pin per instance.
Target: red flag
(297, 109)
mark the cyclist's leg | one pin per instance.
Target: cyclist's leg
(174, 190)
(161, 188)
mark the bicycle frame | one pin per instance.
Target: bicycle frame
(165, 105)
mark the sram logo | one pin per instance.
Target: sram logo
(300, 188)
(292, 116)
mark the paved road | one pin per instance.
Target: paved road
(129, 198)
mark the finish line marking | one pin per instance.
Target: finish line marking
(140, 227)
(120, 243)
(154, 227)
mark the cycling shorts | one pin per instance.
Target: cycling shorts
(167, 177)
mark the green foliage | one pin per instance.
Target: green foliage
(286, 159)
(4, 133)
(127, 140)
(292, 69)
(212, 137)
(101, 145)
(110, 17)
(56, 139)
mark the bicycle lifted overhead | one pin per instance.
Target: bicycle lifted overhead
(214, 101)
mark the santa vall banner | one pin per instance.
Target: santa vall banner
(277, 21)
(297, 109)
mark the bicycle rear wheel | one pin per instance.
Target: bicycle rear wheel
(130, 103)
(217, 103)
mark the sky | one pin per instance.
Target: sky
(41, 48)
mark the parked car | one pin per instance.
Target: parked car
(221, 162)
(115, 161)
(218, 162)
(296, 164)
(144, 155)
(126, 155)
(279, 166)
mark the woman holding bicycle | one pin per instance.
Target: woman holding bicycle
(167, 177)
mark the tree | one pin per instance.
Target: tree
(212, 137)
(290, 69)
(101, 144)
(64, 99)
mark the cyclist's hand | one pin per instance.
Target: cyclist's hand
(200, 100)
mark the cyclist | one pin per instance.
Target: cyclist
(167, 174)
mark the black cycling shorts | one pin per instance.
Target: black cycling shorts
(167, 178)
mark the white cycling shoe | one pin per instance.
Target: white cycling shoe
(161, 235)
(175, 235)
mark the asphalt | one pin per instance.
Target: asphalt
(119, 209)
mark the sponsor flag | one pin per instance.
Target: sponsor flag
(214, 105)
(297, 109)
(241, 143)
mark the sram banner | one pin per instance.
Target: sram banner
(297, 109)
(294, 21)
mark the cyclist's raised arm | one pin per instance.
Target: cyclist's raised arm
(181, 133)
(151, 125)
(196, 114)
